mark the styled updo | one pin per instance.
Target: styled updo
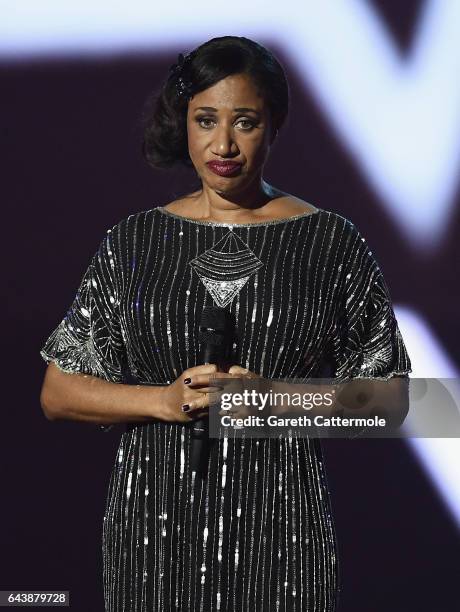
(164, 119)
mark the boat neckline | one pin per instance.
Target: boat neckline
(169, 213)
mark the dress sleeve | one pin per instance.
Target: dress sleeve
(88, 339)
(367, 342)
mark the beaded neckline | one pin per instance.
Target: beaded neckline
(168, 213)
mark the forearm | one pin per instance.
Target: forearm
(81, 397)
(355, 398)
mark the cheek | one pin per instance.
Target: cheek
(257, 150)
(193, 153)
(196, 142)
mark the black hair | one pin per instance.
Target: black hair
(164, 119)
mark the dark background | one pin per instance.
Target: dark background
(72, 170)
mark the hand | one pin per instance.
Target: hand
(240, 372)
(240, 412)
(195, 394)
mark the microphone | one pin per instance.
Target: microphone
(216, 336)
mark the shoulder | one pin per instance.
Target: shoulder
(343, 228)
(355, 252)
(342, 239)
(289, 206)
(135, 221)
(338, 231)
(180, 206)
(120, 237)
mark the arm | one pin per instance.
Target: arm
(357, 398)
(82, 397)
(86, 351)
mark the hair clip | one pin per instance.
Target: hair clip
(183, 86)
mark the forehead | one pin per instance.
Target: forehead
(234, 90)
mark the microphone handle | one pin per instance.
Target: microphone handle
(200, 427)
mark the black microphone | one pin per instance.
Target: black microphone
(216, 336)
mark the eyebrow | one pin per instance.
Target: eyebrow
(241, 109)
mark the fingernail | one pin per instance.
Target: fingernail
(187, 381)
(185, 407)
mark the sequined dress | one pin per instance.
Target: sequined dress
(309, 299)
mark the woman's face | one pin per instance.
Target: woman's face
(229, 122)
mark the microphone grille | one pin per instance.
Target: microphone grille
(217, 318)
(217, 326)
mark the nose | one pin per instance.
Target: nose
(224, 142)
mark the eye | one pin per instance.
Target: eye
(249, 124)
(207, 123)
(205, 120)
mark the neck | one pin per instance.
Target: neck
(226, 207)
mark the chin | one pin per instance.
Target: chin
(227, 190)
(228, 184)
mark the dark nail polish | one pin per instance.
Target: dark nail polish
(185, 408)
(187, 381)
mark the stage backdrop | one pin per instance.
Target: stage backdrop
(73, 168)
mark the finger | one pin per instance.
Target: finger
(230, 411)
(215, 380)
(197, 403)
(233, 414)
(207, 368)
(237, 369)
(231, 384)
(205, 379)
(198, 414)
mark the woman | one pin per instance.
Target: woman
(308, 298)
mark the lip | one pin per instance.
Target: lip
(226, 168)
